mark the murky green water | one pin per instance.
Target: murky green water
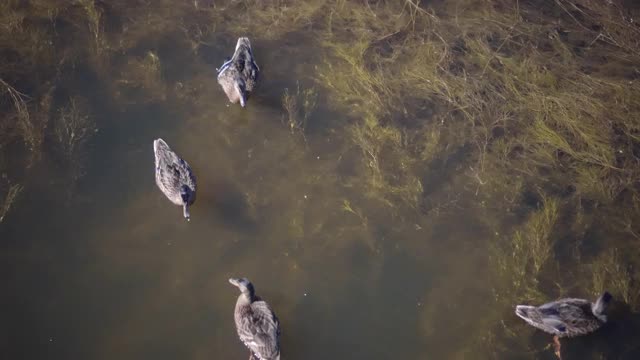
(106, 267)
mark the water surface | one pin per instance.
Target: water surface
(106, 267)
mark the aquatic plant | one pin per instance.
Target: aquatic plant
(270, 19)
(9, 198)
(73, 128)
(22, 118)
(346, 206)
(519, 261)
(298, 114)
(524, 114)
(140, 79)
(611, 271)
(546, 112)
(94, 23)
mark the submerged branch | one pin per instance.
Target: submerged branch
(9, 199)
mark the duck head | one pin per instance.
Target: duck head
(244, 285)
(600, 306)
(185, 194)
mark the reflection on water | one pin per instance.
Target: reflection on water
(368, 241)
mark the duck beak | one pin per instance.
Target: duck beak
(233, 282)
(185, 212)
(522, 312)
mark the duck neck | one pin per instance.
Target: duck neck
(248, 296)
(599, 307)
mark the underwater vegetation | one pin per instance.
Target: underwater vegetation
(534, 104)
(298, 107)
(73, 128)
(11, 194)
(524, 113)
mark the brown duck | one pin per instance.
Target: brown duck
(256, 323)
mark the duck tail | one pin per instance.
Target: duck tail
(158, 144)
(243, 41)
(242, 97)
(523, 311)
(601, 304)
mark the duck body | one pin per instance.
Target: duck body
(174, 176)
(238, 76)
(256, 323)
(566, 317)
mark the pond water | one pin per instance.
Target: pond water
(107, 268)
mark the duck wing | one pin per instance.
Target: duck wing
(186, 174)
(179, 173)
(260, 331)
(246, 65)
(171, 173)
(577, 317)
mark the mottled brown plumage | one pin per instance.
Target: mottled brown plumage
(566, 317)
(174, 176)
(238, 76)
(256, 323)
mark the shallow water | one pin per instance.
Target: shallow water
(108, 268)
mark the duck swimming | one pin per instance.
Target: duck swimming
(566, 317)
(238, 76)
(256, 323)
(174, 177)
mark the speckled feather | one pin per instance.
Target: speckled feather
(564, 318)
(240, 69)
(258, 327)
(172, 173)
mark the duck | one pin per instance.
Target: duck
(567, 317)
(238, 75)
(257, 325)
(174, 177)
